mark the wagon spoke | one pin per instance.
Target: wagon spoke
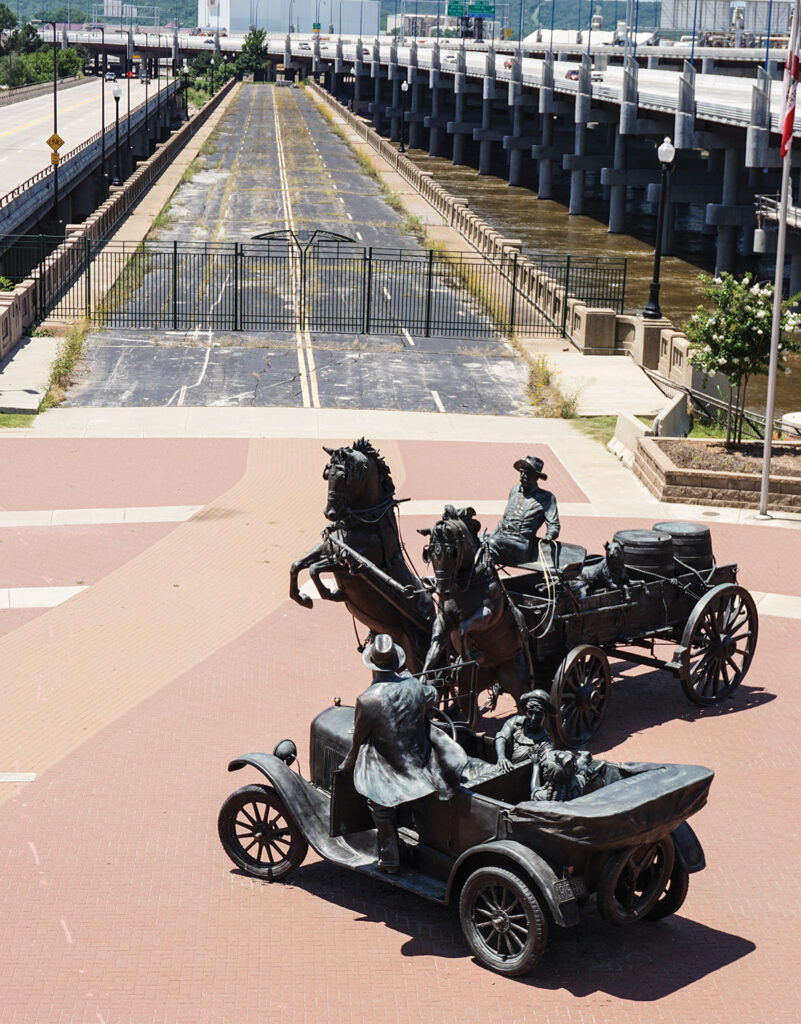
(251, 843)
(518, 930)
(508, 943)
(242, 810)
(490, 906)
(733, 664)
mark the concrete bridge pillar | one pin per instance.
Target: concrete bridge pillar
(485, 146)
(582, 116)
(516, 154)
(545, 166)
(395, 121)
(727, 233)
(617, 193)
(435, 127)
(414, 124)
(577, 176)
(459, 138)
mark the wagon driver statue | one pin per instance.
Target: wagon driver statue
(514, 539)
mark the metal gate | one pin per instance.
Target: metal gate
(320, 282)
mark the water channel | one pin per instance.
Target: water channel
(544, 226)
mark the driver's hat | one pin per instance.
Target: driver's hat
(539, 698)
(384, 655)
(533, 464)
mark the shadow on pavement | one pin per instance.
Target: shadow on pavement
(643, 963)
(644, 699)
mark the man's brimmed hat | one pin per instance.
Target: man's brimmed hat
(384, 655)
(534, 464)
(538, 697)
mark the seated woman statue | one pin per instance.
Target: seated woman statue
(564, 775)
(524, 737)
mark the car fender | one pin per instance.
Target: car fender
(689, 852)
(293, 790)
(556, 892)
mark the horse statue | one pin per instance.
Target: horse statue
(476, 620)
(362, 549)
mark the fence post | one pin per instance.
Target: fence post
(87, 255)
(236, 286)
(623, 285)
(564, 297)
(428, 291)
(514, 295)
(368, 298)
(175, 284)
(302, 318)
(42, 250)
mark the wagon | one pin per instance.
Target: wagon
(689, 605)
(513, 867)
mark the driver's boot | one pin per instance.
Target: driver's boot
(388, 848)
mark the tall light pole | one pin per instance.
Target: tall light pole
(666, 153)
(404, 90)
(55, 118)
(211, 65)
(116, 93)
(147, 80)
(102, 30)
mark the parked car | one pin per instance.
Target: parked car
(511, 864)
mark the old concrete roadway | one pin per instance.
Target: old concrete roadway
(274, 163)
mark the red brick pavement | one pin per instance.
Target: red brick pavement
(46, 473)
(118, 904)
(122, 907)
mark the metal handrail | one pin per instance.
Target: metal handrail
(47, 171)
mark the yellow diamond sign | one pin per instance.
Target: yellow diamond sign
(55, 142)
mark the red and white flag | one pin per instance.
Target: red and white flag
(792, 69)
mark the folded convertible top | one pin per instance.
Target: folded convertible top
(649, 802)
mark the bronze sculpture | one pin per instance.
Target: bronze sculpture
(526, 731)
(395, 756)
(361, 548)
(514, 539)
(475, 621)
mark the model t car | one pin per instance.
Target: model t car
(512, 865)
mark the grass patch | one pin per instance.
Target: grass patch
(599, 428)
(707, 428)
(16, 419)
(164, 219)
(414, 226)
(191, 171)
(69, 352)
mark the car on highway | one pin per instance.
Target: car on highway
(508, 62)
(208, 42)
(110, 76)
(449, 58)
(572, 74)
(304, 46)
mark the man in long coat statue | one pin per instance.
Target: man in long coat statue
(396, 756)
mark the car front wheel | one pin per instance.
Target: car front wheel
(258, 834)
(503, 921)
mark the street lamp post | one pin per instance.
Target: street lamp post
(116, 93)
(147, 106)
(404, 90)
(55, 119)
(666, 153)
(186, 89)
(102, 30)
(211, 65)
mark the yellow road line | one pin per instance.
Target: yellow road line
(48, 118)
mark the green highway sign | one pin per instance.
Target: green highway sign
(481, 9)
(457, 9)
(315, 26)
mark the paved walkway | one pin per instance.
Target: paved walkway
(123, 705)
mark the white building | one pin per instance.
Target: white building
(718, 16)
(333, 16)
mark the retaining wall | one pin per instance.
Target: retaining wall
(26, 92)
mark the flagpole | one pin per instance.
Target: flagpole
(790, 69)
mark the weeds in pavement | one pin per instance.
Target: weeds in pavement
(69, 352)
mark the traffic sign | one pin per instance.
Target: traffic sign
(315, 26)
(55, 142)
(457, 9)
(481, 9)
(54, 158)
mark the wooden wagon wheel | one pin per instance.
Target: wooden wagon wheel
(580, 693)
(718, 644)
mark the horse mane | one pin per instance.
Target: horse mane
(384, 476)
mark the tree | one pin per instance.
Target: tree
(254, 56)
(7, 19)
(734, 337)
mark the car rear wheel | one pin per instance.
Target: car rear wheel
(673, 895)
(258, 834)
(503, 921)
(633, 880)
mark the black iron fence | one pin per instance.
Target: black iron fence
(278, 283)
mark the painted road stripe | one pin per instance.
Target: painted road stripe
(437, 400)
(97, 516)
(17, 776)
(385, 290)
(408, 336)
(36, 597)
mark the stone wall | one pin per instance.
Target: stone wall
(706, 487)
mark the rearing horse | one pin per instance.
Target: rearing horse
(362, 549)
(476, 620)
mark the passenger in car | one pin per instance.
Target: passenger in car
(524, 737)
